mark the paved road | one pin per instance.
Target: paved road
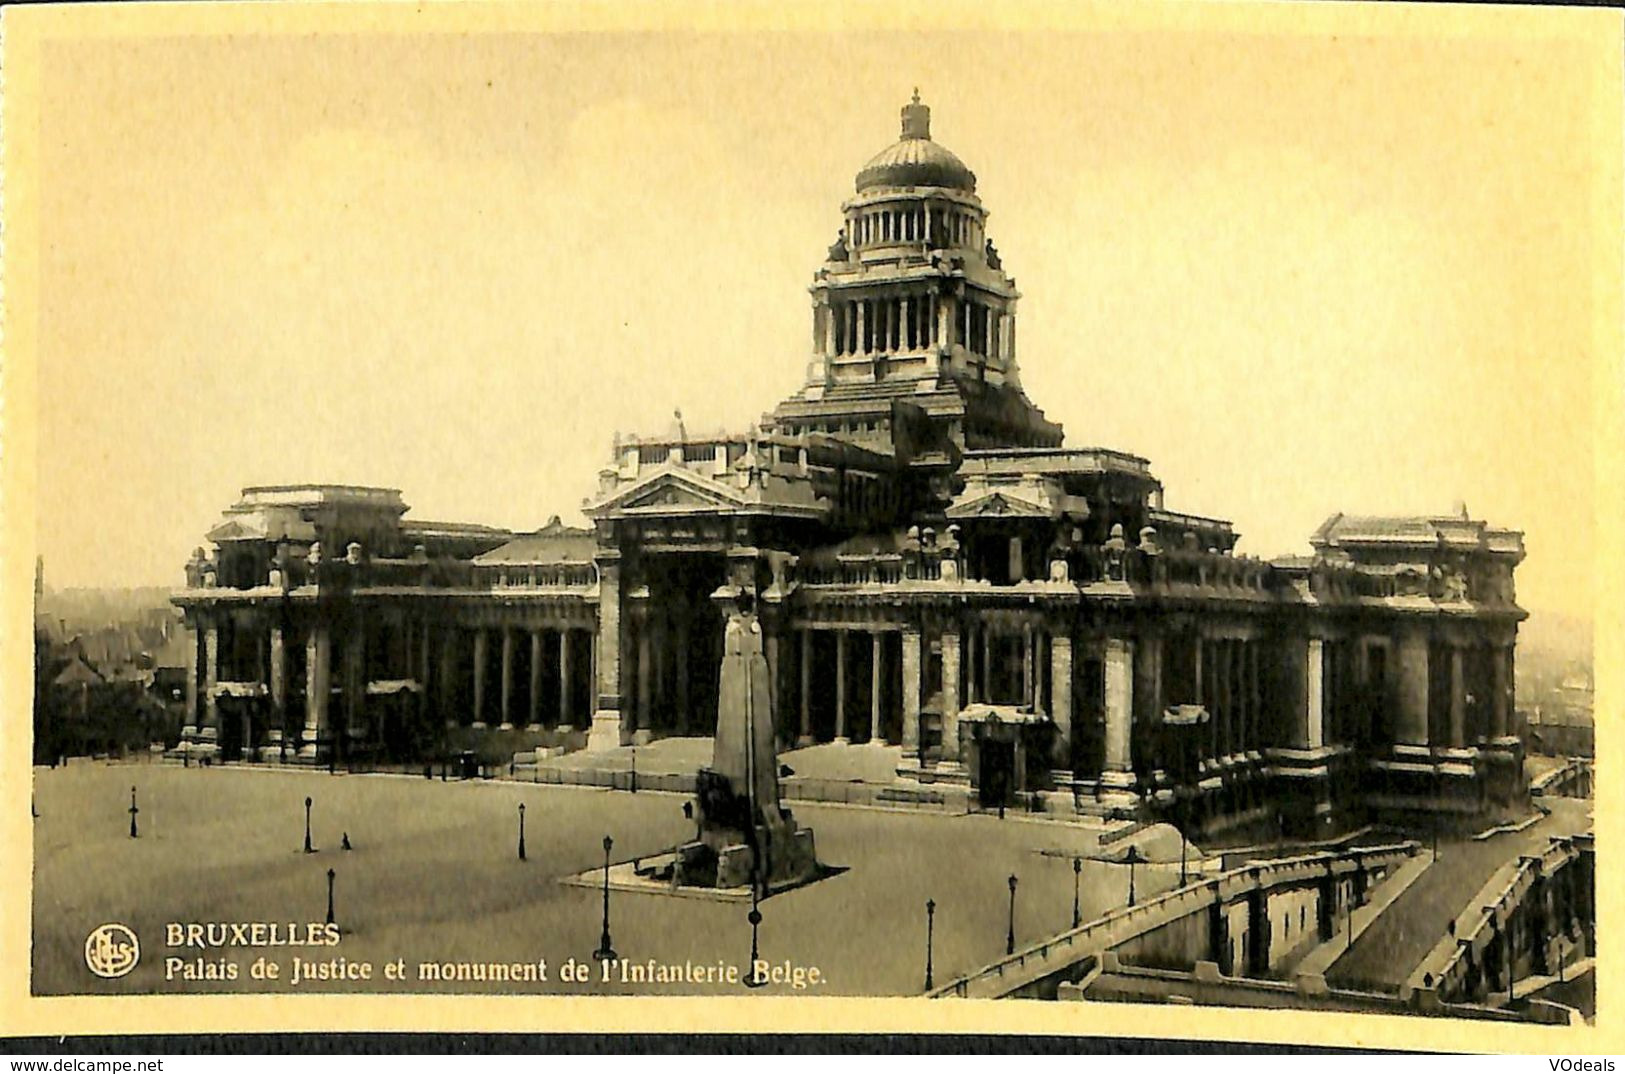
(1384, 956)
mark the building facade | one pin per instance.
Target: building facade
(932, 567)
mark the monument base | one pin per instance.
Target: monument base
(789, 861)
(605, 732)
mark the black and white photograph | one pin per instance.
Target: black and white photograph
(1094, 509)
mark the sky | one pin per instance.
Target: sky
(1300, 272)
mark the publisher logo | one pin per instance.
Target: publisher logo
(112, 950)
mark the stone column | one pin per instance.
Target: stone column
(877, 646)
(1119, 670)
(683, 724)
(189, 729)
(279, 680)
(1314, 706)
(950, 699)
(448, 676)
(480, 644)
(860, 344)
(1206, 666)
(1060, 664)
(1149, 689)
(982, 676)
(1501, 692)
(1240, 712)
(1244, 697)
(318, 657)
(975, 636)
(1198, 672)
(840, 688)
(565, 718)
(355, 680)
(507, 680)
(606, 715)
(911, 693)
(424, 630)
(1027, 670)
(645, 726)
(1412, 726)
(534, 721)
(1458, 699)
(210, 731)
(806, 736)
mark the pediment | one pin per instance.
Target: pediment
(676, 490)
(236, 530)
(997, 504)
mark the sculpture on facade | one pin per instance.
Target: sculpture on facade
(838, 250)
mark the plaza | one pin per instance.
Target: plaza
(434, 877)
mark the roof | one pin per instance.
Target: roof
(1415, 531)
(886, 543)
(553, 543)
(77, 672)
(413, 527)
(915, 160)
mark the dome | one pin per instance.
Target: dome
(915, 160)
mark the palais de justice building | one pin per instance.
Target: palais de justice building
(932, 566)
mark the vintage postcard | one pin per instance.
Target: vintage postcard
(844, 518)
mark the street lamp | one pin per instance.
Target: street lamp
(1077, 873)
(930, 921)
(1010, 937)
(330, 875)
(755, 919)
(1133, 858)
(133, 812)
(521, 831)
(308, 848)
(605, 952)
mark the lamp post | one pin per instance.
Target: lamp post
(133, 812)
(1077, 875)
(930, 922)
(755, 919)
(605, 951)
(634, 786)
(1348, 918)
(521, 831)
(1133, 858)
(1010, 937)
(330, 875)
(308, 848)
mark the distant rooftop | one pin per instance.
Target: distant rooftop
(553, 543)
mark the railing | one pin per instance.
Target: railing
(1126, 923)
(1205, 570)
(1450, 977)
(548, 576)
(853, 570)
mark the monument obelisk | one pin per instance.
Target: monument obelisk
(746, 836)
